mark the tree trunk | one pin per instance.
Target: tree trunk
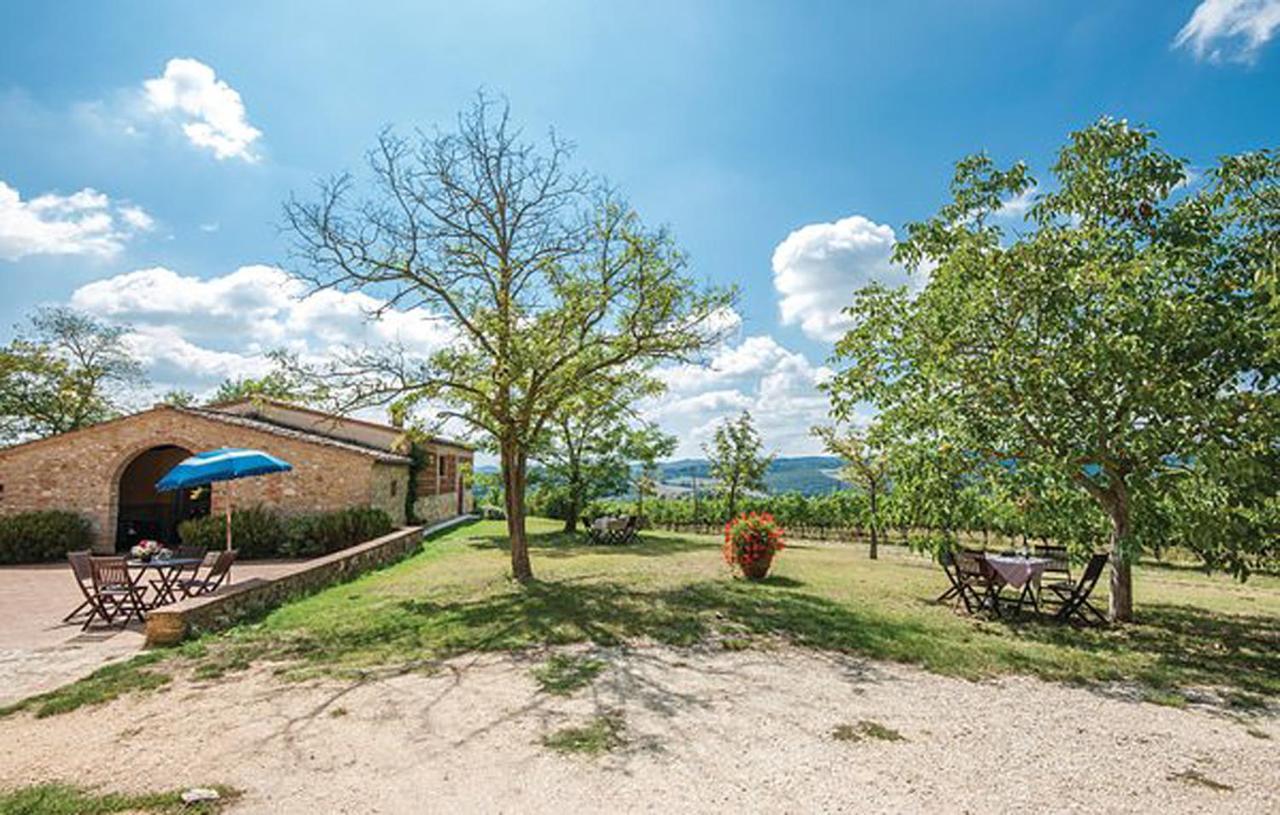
(513, 477)
(1121, 575)
(875, 542)
(571, 517)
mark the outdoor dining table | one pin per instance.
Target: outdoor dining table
(168, 570)
(1021, 573)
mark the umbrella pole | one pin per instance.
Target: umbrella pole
(228, 528)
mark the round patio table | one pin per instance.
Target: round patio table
(168, 570)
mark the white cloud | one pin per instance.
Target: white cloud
(778, 386)
(137, 218)
(193, 333)
(817, 268)
(210, 111)
(1230, 30)
(1017, 206)
(83, 223)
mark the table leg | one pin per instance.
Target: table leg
(168, 576)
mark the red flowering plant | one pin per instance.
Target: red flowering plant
(750, 542)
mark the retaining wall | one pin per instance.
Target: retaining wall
(171, 624)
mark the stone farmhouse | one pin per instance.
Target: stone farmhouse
(107, 472)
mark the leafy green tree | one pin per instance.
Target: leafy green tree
(65, 370)
(544, 281)
(585, 451)
(1125, 329)
(644, 446)
(736, 460)
(866, 466)
(178, 397)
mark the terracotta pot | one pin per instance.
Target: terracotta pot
(757, 569)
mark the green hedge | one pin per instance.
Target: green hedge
(262, 532)
(41, 537)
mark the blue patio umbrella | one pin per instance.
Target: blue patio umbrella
(223, 464)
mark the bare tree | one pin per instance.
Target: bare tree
(546, 281)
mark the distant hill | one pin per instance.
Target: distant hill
(810, 475)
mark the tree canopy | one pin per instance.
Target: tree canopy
(588, 447)
(545, 282)
(65, 370)
(737, 460)
(866, 466)
(1123, 339)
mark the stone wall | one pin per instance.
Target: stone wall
(432, 508)
(171, 624)
(80, 471)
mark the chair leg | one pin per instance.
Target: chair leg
(75, 613)
(1101, 618)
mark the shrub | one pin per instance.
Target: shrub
(263, 532)
(256, 532)
(325, 532)
(40, 537)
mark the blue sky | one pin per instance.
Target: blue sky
(738, 124)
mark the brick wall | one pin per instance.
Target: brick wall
(81, 471)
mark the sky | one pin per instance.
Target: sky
(146, 150)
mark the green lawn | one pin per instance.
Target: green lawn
(455, 596)
(1195, 630)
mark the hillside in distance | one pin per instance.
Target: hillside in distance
(809, 475)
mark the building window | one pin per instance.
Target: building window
(1, 492)
(395, 486)
(440, 469)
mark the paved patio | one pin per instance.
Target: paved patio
(39, 652)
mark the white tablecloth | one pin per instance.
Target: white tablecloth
(1018, 571)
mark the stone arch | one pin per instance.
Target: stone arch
(134, 509)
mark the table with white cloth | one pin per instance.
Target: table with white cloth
(1021, 573)
(612, 531)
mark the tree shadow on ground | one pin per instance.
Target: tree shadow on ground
(609, 613)
(1188, 645)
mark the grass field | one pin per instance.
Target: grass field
(1195, 632)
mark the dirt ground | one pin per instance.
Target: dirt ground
(703, 730)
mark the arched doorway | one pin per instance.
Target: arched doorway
(143, 513)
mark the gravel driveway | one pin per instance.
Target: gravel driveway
(780, 730)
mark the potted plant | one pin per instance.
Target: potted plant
(750, 542)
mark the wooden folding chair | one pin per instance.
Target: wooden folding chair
(629, 532)
(82, 571)
(1075, 597)
(213, 580)
(959, 590)
(983, 583)
(115, 592)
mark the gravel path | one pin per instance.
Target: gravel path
(704, 730)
